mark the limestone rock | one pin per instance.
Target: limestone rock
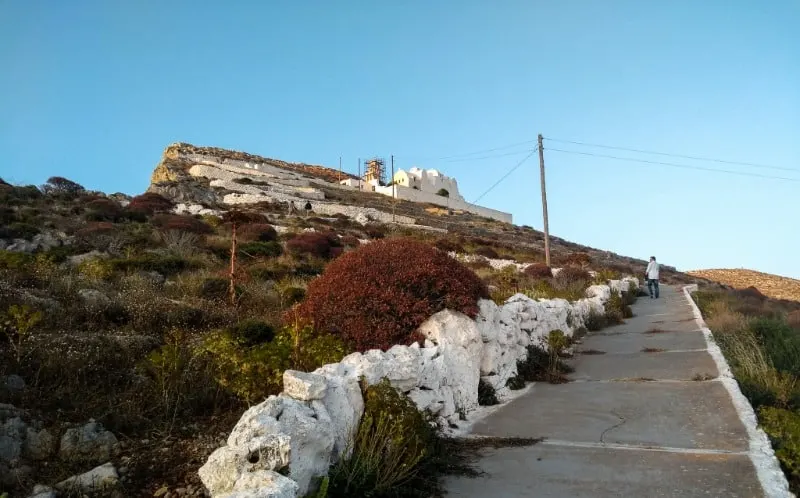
(345, 405)
(264, 484)
(41, 491)
(228, 465)
(12, 435)
(403, 367)
(39, 445)
(88, 443)
(310, 431)
(99, 478)
(460, 343)
(601, 291)
(303, 386)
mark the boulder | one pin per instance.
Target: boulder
(228, 465)
(12, 435)
(88, 443)
(311, 436)
(263, 484)
(42, 491)
(403, 367)
(601, 291)
(303, 386)
(371, 364)
(38, 445)
(97, 479)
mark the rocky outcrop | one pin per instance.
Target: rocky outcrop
(88, 443)
(305, 429)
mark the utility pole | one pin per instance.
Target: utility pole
(544, 204)
(340, 169)
(360, 187)
(394, 192)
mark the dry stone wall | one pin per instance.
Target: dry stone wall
(307, 427)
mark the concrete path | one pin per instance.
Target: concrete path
(638, 419)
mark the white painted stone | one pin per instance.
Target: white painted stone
(345, 405)
(303, 386)
(460, 343)
(263, 484)
(227, 465)
(403, 367)
(99, 478)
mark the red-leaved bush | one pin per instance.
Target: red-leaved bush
(260, 232)
(316, 244)
(378, 295)
(448, 245)
(150, 203)
(181, 223)
(538, 271)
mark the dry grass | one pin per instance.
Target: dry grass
(773, 286)
(653, 350)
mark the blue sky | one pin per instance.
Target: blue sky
(94, 91)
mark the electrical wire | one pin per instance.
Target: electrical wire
(667, 154)
(674, 165)
(520, 163)
(490, 157)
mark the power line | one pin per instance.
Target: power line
(667, 154)
(491, 156)
(674, 165)
(483, 151)
(504, 176)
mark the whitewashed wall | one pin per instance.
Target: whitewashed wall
(308, 426)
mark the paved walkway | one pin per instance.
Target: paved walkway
(632, 423)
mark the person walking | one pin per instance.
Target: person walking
(651, 273)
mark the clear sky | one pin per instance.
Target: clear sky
(95, 90)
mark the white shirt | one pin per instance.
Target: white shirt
(652, 270)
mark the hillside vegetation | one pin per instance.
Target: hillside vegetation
(773, 286)
(151, 331)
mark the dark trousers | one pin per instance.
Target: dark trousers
(652, 283)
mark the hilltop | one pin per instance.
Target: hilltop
(773, 286)
(140, 325)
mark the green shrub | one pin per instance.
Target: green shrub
(783, 428)
(10, 260)
(595, 320)
(391, 442)
(486, 394)
(780, 342)
(256, 371)
(164, 264)
(261, 249)
(20, 231)
(252, 332)
(603, 275)
(616, 309)
(378, 295)
(215, 288)
(516, 382)
(96, 269)
(539, 366)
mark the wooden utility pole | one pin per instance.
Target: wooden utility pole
(340, 169)
(394, 192)
(544, 204)
(360, 186)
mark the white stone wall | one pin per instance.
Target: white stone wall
(309, 425)
(411, 194)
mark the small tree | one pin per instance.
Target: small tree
(57, 185)
(236, 218)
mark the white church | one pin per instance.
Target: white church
(430, 186)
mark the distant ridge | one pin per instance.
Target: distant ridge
(773, 286)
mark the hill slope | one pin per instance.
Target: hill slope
(773, 286)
